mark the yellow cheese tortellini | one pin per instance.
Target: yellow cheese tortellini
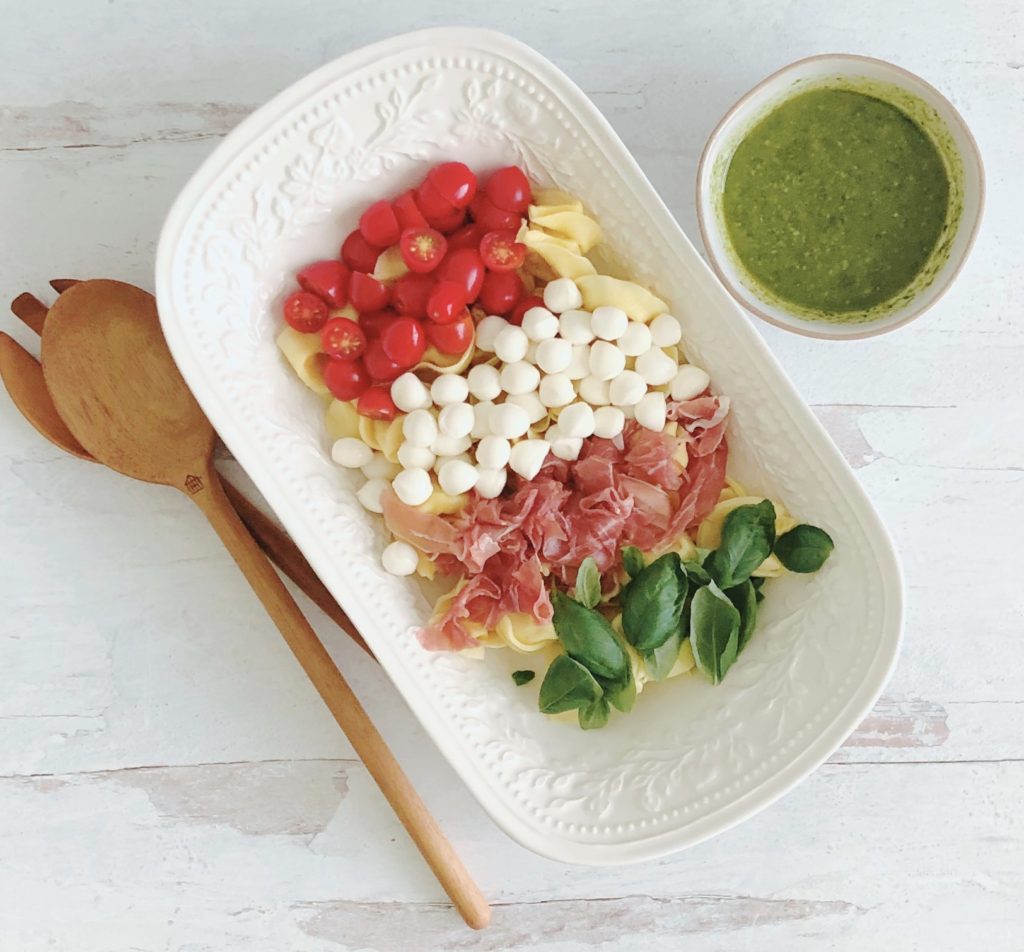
(302, 351)
(521, 632)
(383, 435)
(639, 303)
(549, 256)
(441, 503)
(342, 419)
(567, 223)
(390, 266)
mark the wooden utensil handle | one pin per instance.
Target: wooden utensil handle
(207, 493)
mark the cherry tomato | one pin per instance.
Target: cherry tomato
(376, 403)
(373, 323)
(359, 254)
(466, 267)
(468, 236)
(367, 293)
(431, 202)
(450, 222)
(408, 212)
(306, 312)
(346, 379)
(327, 280)
(452, 338)
(343, 338)
(379, 365)
(403, 341)
(422, 249)
(501, 251)
(410, 292)
(447, 302)
(379, 224)
(516, 315)
(509, 189)
(454, 181)
(501, 291)
(491, 218)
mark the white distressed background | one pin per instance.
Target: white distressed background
(168, 780)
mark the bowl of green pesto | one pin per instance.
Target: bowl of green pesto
(840, 197)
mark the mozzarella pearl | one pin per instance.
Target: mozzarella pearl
(519, 377)
(400, 558)
(628, 412)
(444, 445)
(540, 324)
(554, 355)
(487, 332)
(606, 360)
(420, 428)
(627, 389)
(577, 420)
(564, 447)
(415, 457)
(456, 419)
(457, 476)
(556, 390)
(511, 344)
(690, 382)
(656, 367)
(528, 456)
(492, 452)
(594, 390)
(665, 331)
(579, 366)
(449, 388)
(531, 352)
(575, 327)
(380, 467)
(490, 482)
(509, 420)
(441, 460)
(609, 323)
(562, 295)
(650, 411)
(636, 340)
(369, 494)
(409, 393)
(530, 402)
(482, 419)
(484, 381)
(609, 422)
(351, 452)
(413, 486)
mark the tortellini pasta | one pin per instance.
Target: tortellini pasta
(441, 503)
(567, 223)
(639, 303)
(342, 419)
(383, 435)
(302, 351)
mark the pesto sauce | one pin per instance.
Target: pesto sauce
(835, 201)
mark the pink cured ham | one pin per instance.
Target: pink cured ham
(703, 420)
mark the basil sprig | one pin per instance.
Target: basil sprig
(523, 676)
(804, 548)
(652, 603)
(588, 584)
(567, 686)
(589, 639)
(714, 632)
(632, 560)
(744, 598)
(594, 715)
(662, 659)
(748, 535)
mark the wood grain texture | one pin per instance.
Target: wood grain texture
(127, 706)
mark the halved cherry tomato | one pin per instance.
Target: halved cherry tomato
(408, 212)
(449, 221)
(466, 267)
(501, 292)
(410, 292)
(486, 214)
(358, 253)
(379, 365)
(326, 279)
(422, 249)
(343, 338)
(501, 251)
(403, 341)
(379, 224)
(367, 293)
(305, 312)
(374, 323)
(376, 403)
(431, 202)
(454, 181)
(447, 302)
(452, 338)
(509, 189)
(346, 379)
(516, 314)
(468, 236)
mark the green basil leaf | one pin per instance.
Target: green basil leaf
(804, 548)
(744, 597)
(702, 554)
(632, 560)
(748, 535)
(714, 632)
(621, 695)
(567, 686)
(757, 581)
(594, 715)
(697, 573)
(588, 583)
(523, 677)
(588, 638)
(652, 604)
(661, 660)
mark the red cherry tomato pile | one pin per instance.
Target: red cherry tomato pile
(457, 237)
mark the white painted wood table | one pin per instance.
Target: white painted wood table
(169, 780)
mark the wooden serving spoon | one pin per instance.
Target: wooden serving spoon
(115, 385)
